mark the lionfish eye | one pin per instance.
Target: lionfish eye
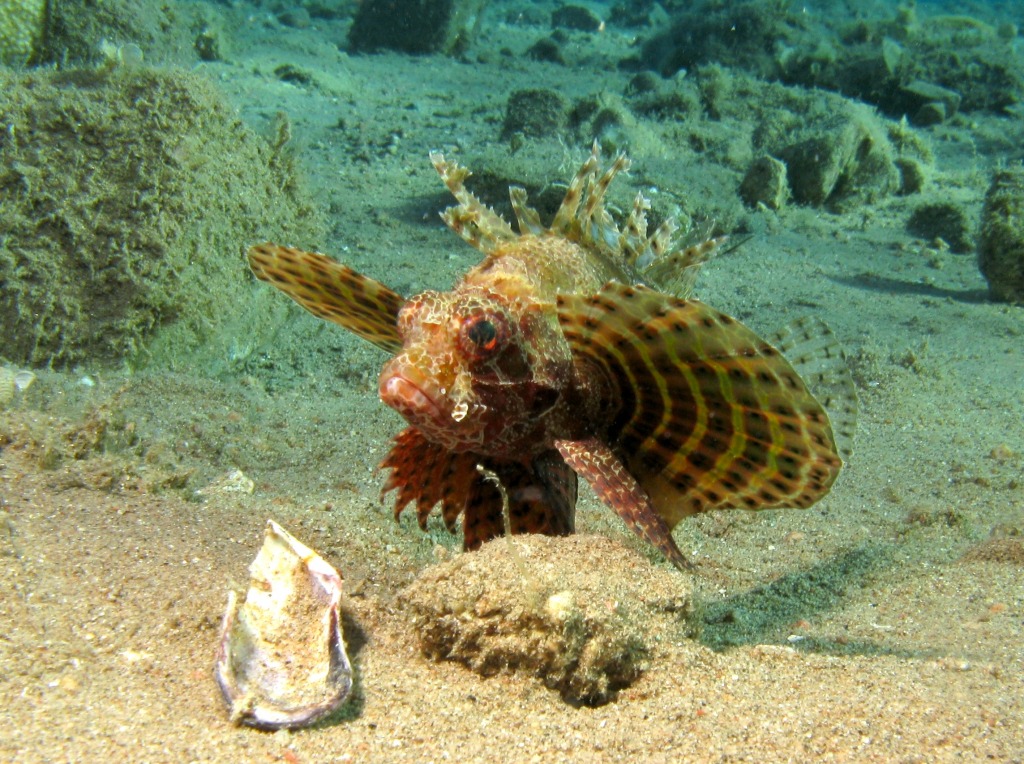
(481, 336)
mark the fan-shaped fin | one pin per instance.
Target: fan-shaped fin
(814, 351)
(332, 291)
(541, 494)
(705, 414)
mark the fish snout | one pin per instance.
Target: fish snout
(408, 396)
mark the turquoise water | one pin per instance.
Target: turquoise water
(864, 160)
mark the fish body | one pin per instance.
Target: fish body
(552, 359)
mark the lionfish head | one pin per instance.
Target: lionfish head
(464, 375)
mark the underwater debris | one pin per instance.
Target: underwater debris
(581, 613)
(281, 662)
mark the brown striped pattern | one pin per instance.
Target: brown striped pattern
(332, 291)
(709, 415)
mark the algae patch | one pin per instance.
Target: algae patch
(126, 200)
(21, 27)
(582, 613)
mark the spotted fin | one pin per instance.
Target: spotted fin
(541, 495)
(596, 463)
(704, 413)
(812, 348)
(331, 291)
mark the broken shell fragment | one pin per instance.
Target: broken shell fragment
(281, 662)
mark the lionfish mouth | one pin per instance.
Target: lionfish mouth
(408, 399)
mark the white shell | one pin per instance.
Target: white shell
(281, 660)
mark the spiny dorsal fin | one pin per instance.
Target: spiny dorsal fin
(473, 220)
(332, 291)
(814, 351)
(676, 272)
(566, 216)
(526, 216)
(708, 415)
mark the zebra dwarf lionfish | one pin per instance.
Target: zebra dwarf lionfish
(552, 359)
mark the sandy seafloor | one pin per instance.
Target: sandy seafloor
(884, 624)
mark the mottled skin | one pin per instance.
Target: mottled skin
(486, 367)
(545, 362)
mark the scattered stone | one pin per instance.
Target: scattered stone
(943, 220)
(296, 17)
(582, 613)
(870, 72)
(546, 49)
(765, 183)
(912, 176)
(1001, 245)
(839, 157)
(1004, 550)
(928, 104)
(295, 75)
(210, 45)
(416, 26)
(643, 82)
(932, 113)
(535, 113)
(576, 17)
(878, 59)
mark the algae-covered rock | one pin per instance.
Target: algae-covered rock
(837, 153)
(765, 183)
(925, 67)
(536, 113)
(83, 32)
(943, 220)
(845, 156)
(21, 29)
(1001, 244)
(127, 198)
(415, 26)
(582, 613)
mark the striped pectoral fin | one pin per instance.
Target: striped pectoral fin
(710, 415)
(595, 462)
(332, 291)
(538, 497)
